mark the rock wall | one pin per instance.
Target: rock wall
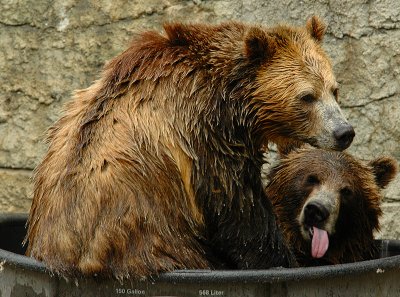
(48, 49)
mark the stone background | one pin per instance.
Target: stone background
(50, 48)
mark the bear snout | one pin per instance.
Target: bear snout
(337, 133)
(344, 136)
(320, 211)
(315, 214)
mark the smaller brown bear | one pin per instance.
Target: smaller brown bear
(328, 204)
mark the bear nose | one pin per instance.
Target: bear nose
(344, 136)
(315, 213)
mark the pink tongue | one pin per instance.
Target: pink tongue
(320, 243)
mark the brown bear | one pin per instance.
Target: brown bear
(156, 166)
(327, 204)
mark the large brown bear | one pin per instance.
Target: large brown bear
(156, 166)
(327, 204)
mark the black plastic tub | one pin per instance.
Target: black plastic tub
(23, 276)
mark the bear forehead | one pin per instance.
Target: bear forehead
(335, 168)
(304, 54)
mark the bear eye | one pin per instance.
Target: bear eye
(309, 98)
(346, 192)
(312, 180)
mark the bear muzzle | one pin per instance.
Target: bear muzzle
(316, 214)
(317, 220)
(336, 132)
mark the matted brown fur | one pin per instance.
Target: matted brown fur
(156, 166)
(354, 188)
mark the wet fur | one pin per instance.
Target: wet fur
(359, 213)
(156, 166)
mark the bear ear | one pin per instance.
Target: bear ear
(384, 169)
(259, 46)
(316, 28)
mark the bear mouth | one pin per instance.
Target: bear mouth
(319, 241)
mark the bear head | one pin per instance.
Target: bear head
(296, 93)
(328, 204)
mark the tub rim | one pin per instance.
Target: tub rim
(271, 275)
